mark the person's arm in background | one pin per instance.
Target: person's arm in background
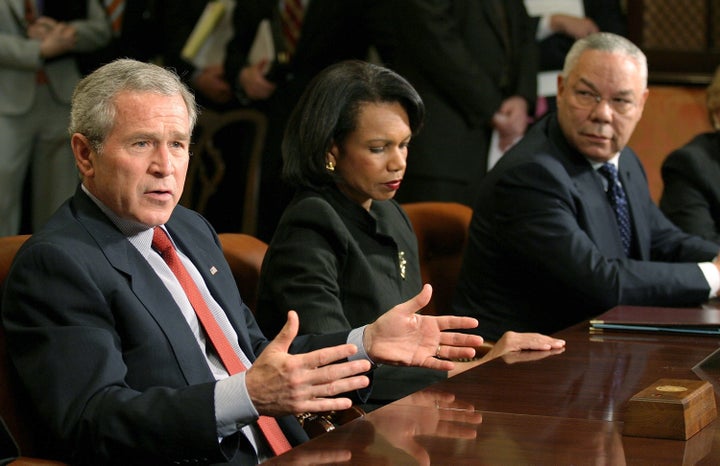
(179, 19)
(511, 119)
(248, 81)
(428, 25)
(690, 200)
(94, 31)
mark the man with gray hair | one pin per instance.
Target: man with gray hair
(564, 227)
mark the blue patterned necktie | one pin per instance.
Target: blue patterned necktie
(618, 201)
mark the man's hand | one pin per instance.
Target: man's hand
(40, 28)
(511, 121)
(58, 40)
(252, 79)
(573, 26)
(212, 84)
(716, 263)
(402, 337)
(280, 383)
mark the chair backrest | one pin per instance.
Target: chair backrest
(207, 166)
(245, 254)
(673, 115)
(442, 231)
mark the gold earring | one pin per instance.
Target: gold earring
(330, 166)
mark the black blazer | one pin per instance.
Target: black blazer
(691, 197)
(331, 31)
(454, 54)
(607, 14)
(544, 251)
(338, 266)
(140, 36)
(108, 359)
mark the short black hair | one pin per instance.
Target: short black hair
(328, 112)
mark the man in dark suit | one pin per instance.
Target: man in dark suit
(137, 31)
(474, 63)
(691, 193)
(559, 31)
(121, 364)
(330, 31)
(545, 248)
(556, 32)
(212, 90)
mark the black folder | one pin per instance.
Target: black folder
(703, 320)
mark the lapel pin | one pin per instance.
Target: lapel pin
(213, 270)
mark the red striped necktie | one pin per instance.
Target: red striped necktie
(162, 244)
(114, 10)
(292, 15)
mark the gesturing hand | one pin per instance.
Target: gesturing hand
(403, 337)
(280, 383)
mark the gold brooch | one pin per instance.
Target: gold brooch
(402, 263)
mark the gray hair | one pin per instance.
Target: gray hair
(93, 110)
(606, 42)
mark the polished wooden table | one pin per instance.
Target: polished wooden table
(564, 408)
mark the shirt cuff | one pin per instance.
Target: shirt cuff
(356, 338)
(712, 275)
(543, 28)
(233, 407)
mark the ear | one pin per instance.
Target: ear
(332, 154)
(560, 85)
(84, 155)
(643, 98)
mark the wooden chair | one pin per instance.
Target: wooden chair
(442, 232)
(673, 115)
(245, 254)
(15, 408)
(207, 165)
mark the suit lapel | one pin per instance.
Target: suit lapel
(500, 22)
(148, 289)
(598, 216)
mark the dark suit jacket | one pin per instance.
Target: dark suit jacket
(331, 31)
(544, 251)
(108, 359)
(140, 35)
(178, 20)
(607, 14)
(337, 265)
(691, 197)
(454, 54)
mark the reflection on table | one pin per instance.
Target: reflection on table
(563, 409)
